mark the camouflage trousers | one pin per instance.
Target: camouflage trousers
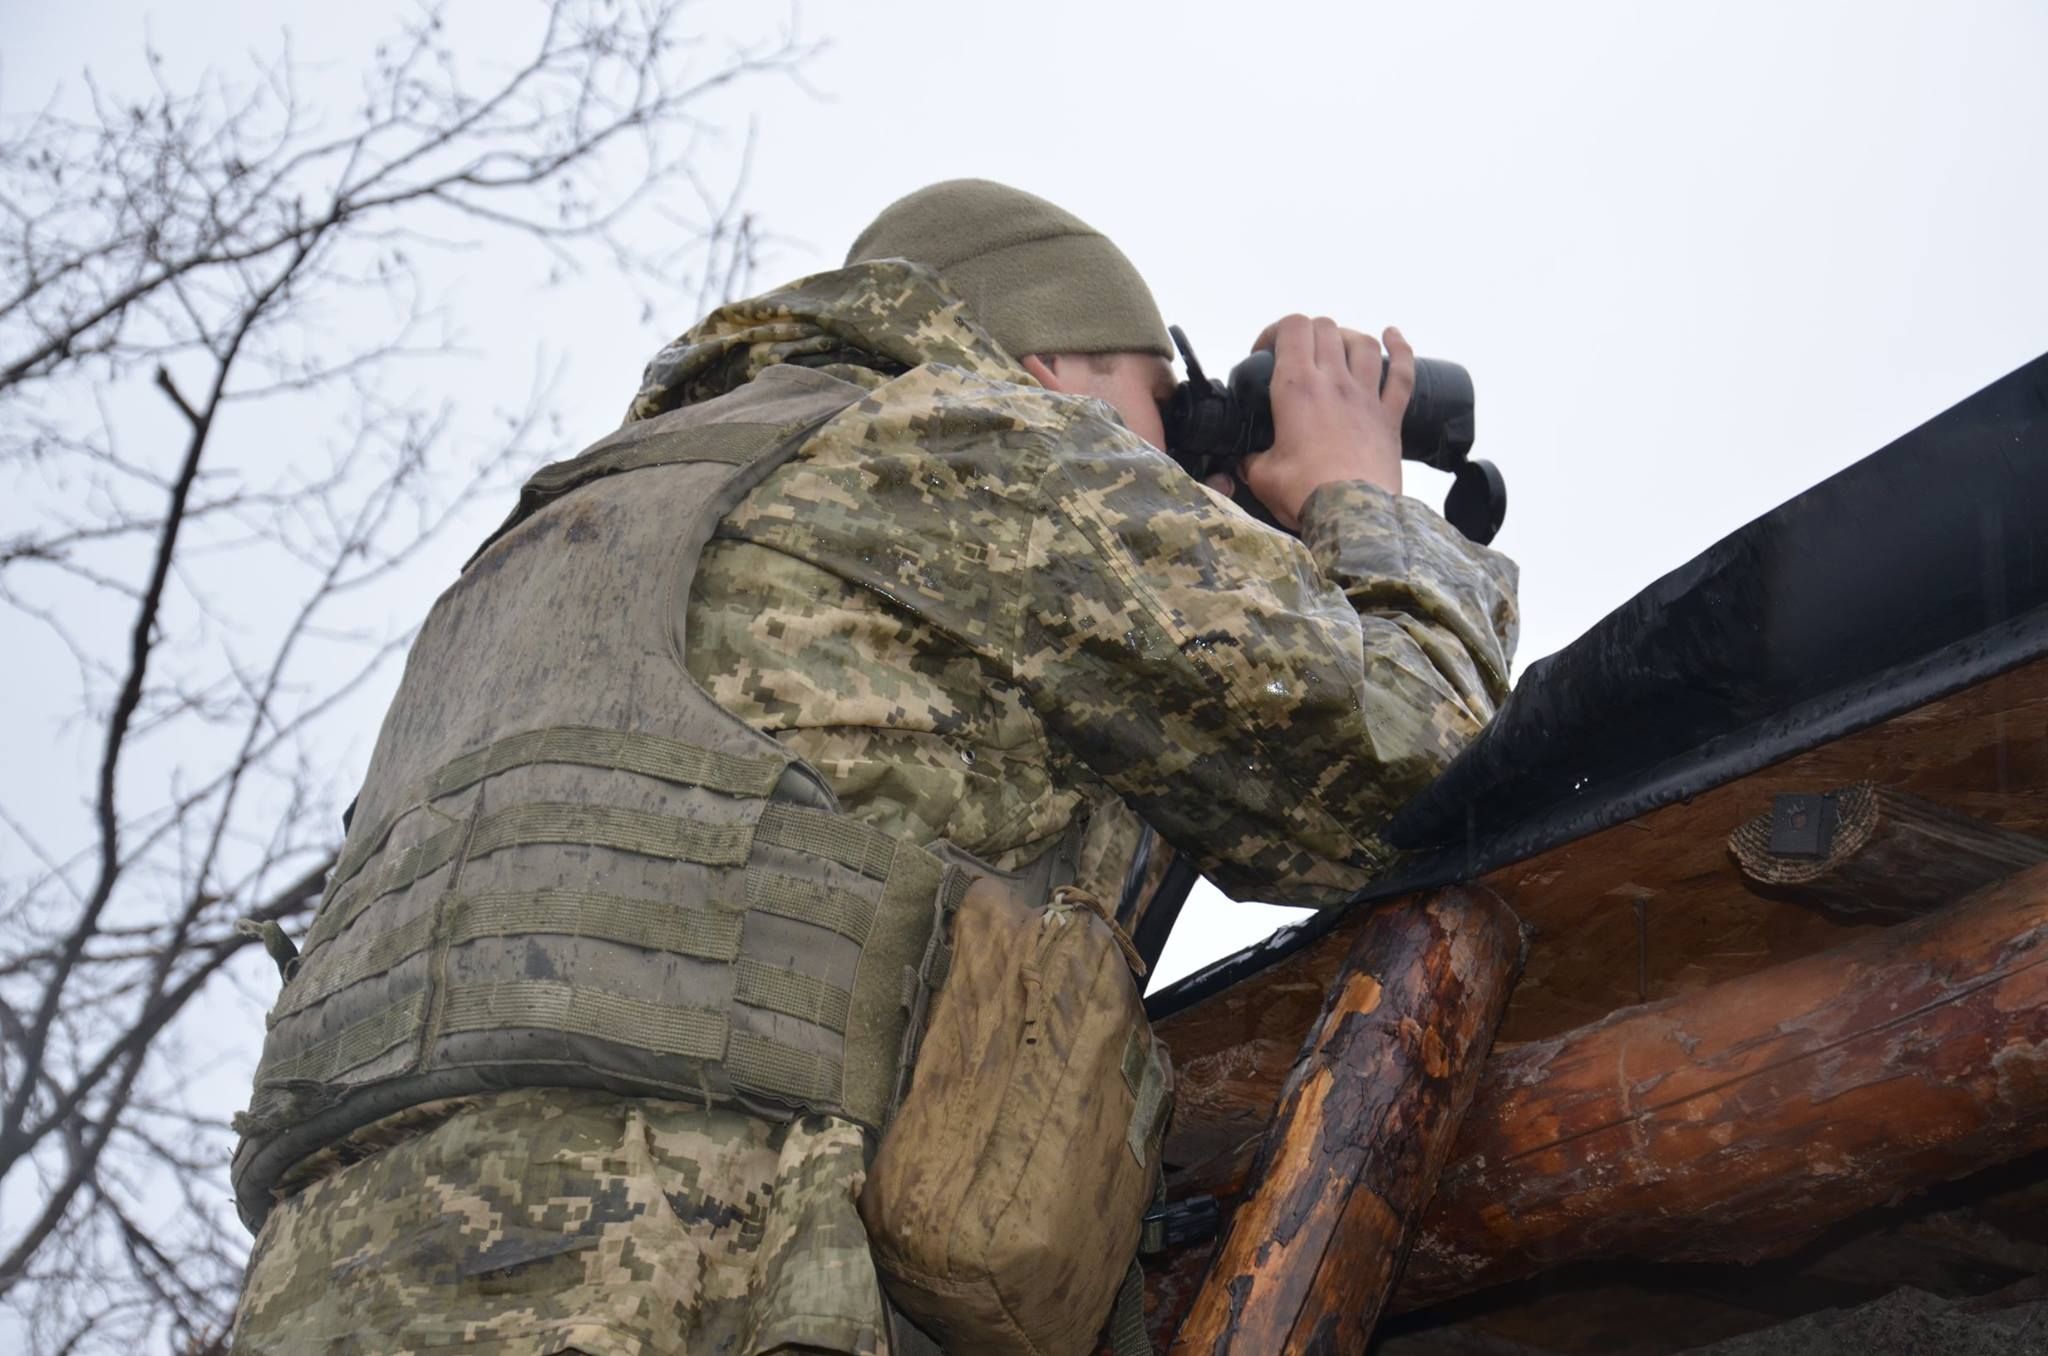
(546, 1221)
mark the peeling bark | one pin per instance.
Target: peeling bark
(1364, 1124)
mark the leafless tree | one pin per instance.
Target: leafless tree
(215, 467)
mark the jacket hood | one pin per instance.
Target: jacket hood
(865, 323)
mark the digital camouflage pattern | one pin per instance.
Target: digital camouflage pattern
(548, 1221)
(982, 610)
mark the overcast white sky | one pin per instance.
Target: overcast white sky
(1697, 257)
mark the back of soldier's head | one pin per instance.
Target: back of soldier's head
(1037, 278)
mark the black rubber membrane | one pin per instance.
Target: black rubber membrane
(1917, 572)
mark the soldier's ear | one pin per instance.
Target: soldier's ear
(1044, 369)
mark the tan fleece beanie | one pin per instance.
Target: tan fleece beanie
(1037, 278)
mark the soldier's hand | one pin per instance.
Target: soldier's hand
(1331, 420)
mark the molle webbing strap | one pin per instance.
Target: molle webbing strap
(342, 906)
(894, 968)
(1127, 1333)
(787, 992)
(650, 835)
(840, 911)
(546, 1005)
(329, 974)
(1132, 1066)
(351, 1047)
(668, 760)
(654, 925)
(834, 837)
(627, 830)
(698, 1034)
(607, 826)
(924, 981)
(914, 897)
(769, 1068)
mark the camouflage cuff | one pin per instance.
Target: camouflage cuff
(1389, 551)
(1353, 527)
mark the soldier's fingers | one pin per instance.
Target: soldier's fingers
(1400, 374)
(1270, 336)
(1362, 356)
(1329, 346)
(1293, 341)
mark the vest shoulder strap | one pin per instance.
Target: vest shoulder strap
(755, 428)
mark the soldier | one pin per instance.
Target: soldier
(591, 1032)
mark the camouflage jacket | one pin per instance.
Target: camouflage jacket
(981, 608)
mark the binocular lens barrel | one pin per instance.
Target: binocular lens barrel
(1436, 429)
(1211, 424)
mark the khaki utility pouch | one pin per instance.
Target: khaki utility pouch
(1005, 1203)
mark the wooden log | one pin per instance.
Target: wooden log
(1738, 1122)
(1365, 1121)
(1982, 751)
(1871, 850)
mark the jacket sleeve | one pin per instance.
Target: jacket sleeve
(1265, 702)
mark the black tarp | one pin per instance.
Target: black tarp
(1918, 571)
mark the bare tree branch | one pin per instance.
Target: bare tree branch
(142, 640)
(211, 296)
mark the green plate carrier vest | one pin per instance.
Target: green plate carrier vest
(570, 867)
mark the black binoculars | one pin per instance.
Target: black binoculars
(1212, 425)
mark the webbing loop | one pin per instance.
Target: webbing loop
(850, 915)
(834, 837)
(609, 826)
(547, 1005)
(353, 1047)
(670, 760)
(795, 995)
(771, 1069)
(1127, 1334)
(667, 760)
(342, 906)
(652, 925)
(482, 951)
(329, 973)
